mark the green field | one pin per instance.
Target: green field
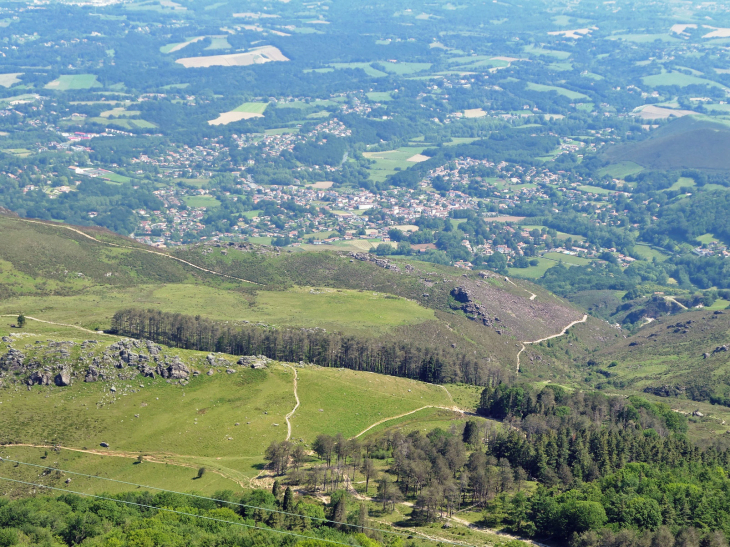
(388, 162)
(621, 170)
(219, 42)
(678, 79)
(8, 80)
(379, 96)
(559, 90)
(369, 70)
(179, 476)
(202, 201)
(568, 259)
(539, 50)
(333, 309)
(649, 253)
(707, 239)
(683, 182)
(75, 81)
(533, 272)
(595, 190)
(122, 123)
(251, 108)
(404, 68)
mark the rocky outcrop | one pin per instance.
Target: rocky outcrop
(217, 361)
(40, 378)
(472, 309)
(380, 262)
(254, 361)
(13, 360)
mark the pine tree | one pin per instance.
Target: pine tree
(340, 513)
(362, 517)
(276, 489)
(288, 504)
(21, 321)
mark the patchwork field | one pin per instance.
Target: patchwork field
(75, 81)
(651, 112)
(256, 56)
(678, 79)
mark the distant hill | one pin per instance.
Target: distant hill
(83, 276)
(686, 143)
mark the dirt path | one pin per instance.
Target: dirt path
(672, 299)
(296, 396)
(161, 459)
(561, 333)
(62, 325)
(504, 535)
(532, 294)
(163, 255)
(453, 409)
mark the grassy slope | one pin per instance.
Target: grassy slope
(193, 425)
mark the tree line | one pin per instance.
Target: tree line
(384, 355)
(610, 471)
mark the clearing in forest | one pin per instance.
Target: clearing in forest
(256, 56)
(73, 81)
(244, 112)
(8, 80)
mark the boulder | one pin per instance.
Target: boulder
(63, 378)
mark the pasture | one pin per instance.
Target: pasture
(172, 48)
(404, 68)
(219, 42)
(621, 170)
(73, 81)
(367, 67)
(333, 309)
(559, 90)
(202, 201)
(649, 253)
(567, 259)
(9, 80)
(244, 112)
(533, 272)
(532, 49)
(388, 162)
(678, 79)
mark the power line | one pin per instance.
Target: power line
(285, 532)
(224, 501)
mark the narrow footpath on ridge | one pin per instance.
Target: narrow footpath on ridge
(296, 396)
(163, 255)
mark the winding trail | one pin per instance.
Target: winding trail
(454, 409)
(163, 255)
(296, 396)
(98, 332)
(561, 333)
(532, 294)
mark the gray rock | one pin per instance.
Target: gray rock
(40, 378)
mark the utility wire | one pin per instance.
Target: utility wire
(2, 459)
(285, 532)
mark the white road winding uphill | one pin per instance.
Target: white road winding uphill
(296, 396)
(561, 333)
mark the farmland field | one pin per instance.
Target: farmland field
(8, 80)
(202, 201)
(171, 48)
(567, 259)
(678, 79)
(244, 112)
(386, 163)
(219, 42)
(367, 67)
(256, 56)
(621, 169)
(560, 90)
(75, 81)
